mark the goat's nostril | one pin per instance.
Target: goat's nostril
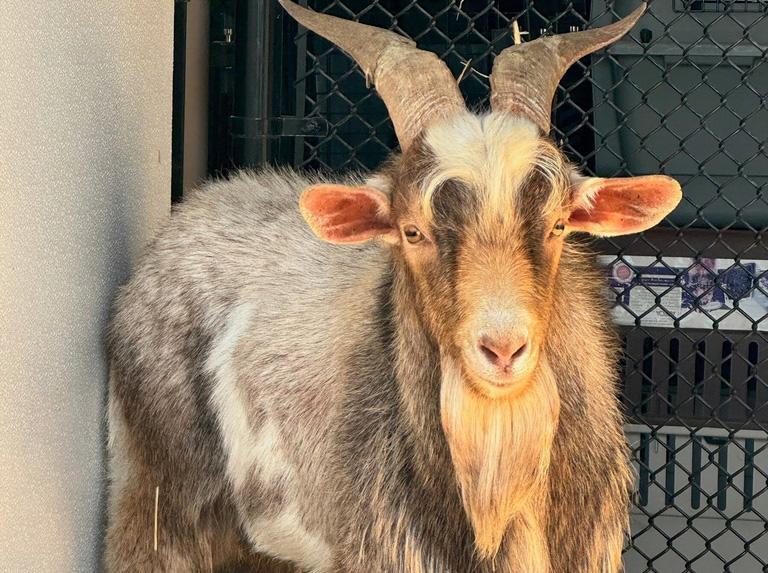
(489, 354)
(502, 352)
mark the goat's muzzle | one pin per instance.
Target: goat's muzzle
(499, 353)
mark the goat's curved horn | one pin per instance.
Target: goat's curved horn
(525, 77)
(416, 86)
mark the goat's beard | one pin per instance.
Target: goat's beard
(500, 450)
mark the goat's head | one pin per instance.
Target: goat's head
(479, 206)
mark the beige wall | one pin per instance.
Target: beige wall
(85, 142)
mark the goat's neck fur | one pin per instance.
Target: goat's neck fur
(576, 503)
(498, 450)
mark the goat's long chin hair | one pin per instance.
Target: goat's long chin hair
(500, 448)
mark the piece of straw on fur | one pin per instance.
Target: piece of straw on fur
(157, 503)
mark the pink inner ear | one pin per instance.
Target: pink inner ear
(342, 214)
(627, 205)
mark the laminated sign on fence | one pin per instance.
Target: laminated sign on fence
(688, 293)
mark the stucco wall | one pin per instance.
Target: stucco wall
(85, 140)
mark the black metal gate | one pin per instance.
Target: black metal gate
(685, 94)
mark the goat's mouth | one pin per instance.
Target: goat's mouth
(495, 382)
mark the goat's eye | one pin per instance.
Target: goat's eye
(412, 234)
(559, 228)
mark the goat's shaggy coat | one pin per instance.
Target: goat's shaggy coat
(438, 400)
(285, 392)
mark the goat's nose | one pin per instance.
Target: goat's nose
(502, 351)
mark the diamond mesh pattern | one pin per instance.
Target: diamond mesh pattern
(685, 95)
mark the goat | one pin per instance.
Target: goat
(409, 373)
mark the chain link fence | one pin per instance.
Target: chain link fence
(685, 95)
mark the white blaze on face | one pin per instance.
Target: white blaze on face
(492, 154)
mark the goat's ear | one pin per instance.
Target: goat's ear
(610, 207)
(346, 214)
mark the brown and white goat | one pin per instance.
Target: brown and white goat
(415, 377)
